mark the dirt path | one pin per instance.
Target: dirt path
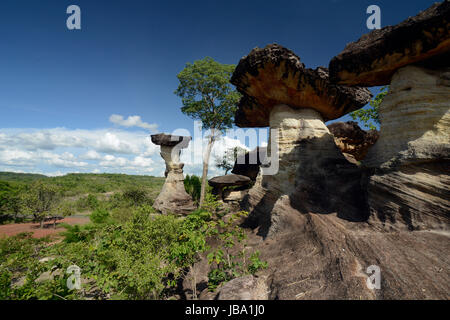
(15, 228)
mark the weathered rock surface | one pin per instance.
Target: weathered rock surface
(325, 257)
(413, 197)
(313, 176)
(274, 75)
(415, 119)
(244, 288)
(248, 164)
(352, 140)
(229, 180)
(304, 170)
(234, 195)
(320, 256)
(173, 198)
(169, 140)
(373, 59)
(410, 187)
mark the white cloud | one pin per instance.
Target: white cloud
(132, 121)
(61, 150)
(91, 155)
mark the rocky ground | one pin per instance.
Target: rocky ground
(327, 258)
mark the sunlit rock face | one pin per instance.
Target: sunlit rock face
(173, 198)
(415, 119)
(411, 160)
(313, 175)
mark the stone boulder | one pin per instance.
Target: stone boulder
(244, 288)
(352, 140)
(229, 180)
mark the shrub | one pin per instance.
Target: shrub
(99, 215)
(192, 185)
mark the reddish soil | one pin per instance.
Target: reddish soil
(15, 228)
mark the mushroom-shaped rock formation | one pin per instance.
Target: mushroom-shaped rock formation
(173, 197)
(249, 163)
(353, 141)
(410, 162)
(373, 59)
(229, 180)
(313, 176)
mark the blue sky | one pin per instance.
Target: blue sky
(64, 85)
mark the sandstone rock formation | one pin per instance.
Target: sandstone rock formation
(411, 184)
(244, 288)
(274, 75)
(373, 59)
(229, 180)
(313, 174)
(173, 197)
(248, 164)
(352, 140)
(409, 165)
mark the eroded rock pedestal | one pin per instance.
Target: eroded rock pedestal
(304, 171)
(410, 186)
(173, 197)
(312, 177)
(409, 169)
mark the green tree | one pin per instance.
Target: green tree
(208, 96)
(40, 200)
(226, 162)
(9, 200)
(367, 115)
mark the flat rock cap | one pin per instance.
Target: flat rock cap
(274, 75)
(163, 139)
(374, 58)
(229, 180)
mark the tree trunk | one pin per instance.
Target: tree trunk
(206, 156)
(41, 223)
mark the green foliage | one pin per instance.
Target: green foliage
(256, 263)
(371, 113)
(40, 200)
(229, 158)
(192, 185)
(143, 257)
(207, 94)
(136, 196)
(10, 200)
(99, 215)
(20, 253)
(230, 260)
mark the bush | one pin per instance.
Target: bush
(192, 185)
(136, 196)
(99, 215)
(87, 203)
(143, 257)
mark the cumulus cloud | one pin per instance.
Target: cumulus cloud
(132, 121)
(59, 151)
(91, 155)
